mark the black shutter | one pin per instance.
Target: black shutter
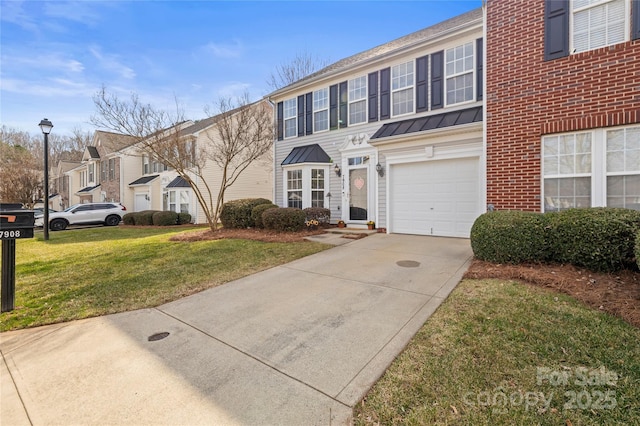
(385, 93)
(280, 121)
(309, 113)
(333, 107)
(556, 29)
(373, 97)
(479, 66)
(343, 118)
(437, 80)
(301, 115)
(635, 16)
(422, 86)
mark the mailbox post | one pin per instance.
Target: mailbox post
(14, 224)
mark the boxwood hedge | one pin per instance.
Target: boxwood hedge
(165, 218)
(283, 219)
(237, 213)
(256, 213)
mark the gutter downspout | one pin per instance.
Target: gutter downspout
(273, 152)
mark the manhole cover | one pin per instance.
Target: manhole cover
(408, 263)
(158, 336)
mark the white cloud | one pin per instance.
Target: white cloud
(53, 62)
(235, 49)
(13, 12)
(80, 11)
(112, 63)
(233, 90)
(51, 88)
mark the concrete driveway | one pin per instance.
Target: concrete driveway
(297, 344)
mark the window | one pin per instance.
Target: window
(317, 187)
(145, 165)
(574, 176)
(459, 74)
(402, 88)
(623, 168)
(290, 119)
(112, 168)
(306, 185)
(567, 171)
(598, 23)
(294, 188)
(178, 200)
(83, 179)
(358, 100)
(321, 110)
(92, 168)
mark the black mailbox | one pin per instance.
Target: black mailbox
(16, 224)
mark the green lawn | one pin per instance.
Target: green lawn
(91, 272)
(503, 353)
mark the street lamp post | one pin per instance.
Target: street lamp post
(46, 126)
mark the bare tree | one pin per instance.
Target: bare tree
(244, 135)
(243, 132)
(301, 66)
(20, 177)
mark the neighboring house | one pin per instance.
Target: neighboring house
(149, 184)
(392, 135)
(97, 177)
(563, 104)
(60, 184)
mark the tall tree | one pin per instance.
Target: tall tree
(245, 133)
(300, 66)
(20, 178)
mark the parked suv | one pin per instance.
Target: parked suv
(109, 214)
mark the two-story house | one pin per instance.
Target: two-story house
(392, 135)
(563, 104)
(150, 184)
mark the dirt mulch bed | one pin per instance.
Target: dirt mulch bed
(248, 234)
(617, 294)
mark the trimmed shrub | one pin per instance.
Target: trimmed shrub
(283, 219)
(144, 218)
(129, 218)
(165, 218)
(322, 215)
(256, 213)
(601, 239)
(184, 218)
(637, 249)
(237, 213)
(510, 237)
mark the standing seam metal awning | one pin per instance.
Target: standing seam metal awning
(307, 154)
(437, 121)
(143, 180)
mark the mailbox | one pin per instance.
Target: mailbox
(16, 224)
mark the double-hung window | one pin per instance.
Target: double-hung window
(459, 73)
(92, 168)
(317, 187)
(402, 80)
(599, 167)
(321, 110)
(177, 200)
(358, 100)
(290, 118)
(294, 188)
(598, 23)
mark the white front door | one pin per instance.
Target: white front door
(141, 202)
(358, 206)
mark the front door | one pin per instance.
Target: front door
(358, 194)
(141, 202)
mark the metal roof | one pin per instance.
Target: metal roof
(143, 180)
(307, 154)
(178, 182)
(88, 189)
(437, 121)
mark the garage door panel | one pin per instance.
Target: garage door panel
(435, 197)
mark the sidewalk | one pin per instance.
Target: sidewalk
(297, 344)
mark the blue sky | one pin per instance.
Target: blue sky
(55, 55)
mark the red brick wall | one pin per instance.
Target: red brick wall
(528, 97)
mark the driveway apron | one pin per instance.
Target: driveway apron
(296, 344)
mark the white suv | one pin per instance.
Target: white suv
(109, 214)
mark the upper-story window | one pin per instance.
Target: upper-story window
(402, 88)
(92, 169)
(459, 73)
(290, 117)
(598, 23)
(358, 100)
(321, 110)
(145, 165)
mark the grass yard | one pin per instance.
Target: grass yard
(90, 272)
(504, 353)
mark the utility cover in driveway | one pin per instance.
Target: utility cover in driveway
(438, 198)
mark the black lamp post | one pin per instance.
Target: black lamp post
(46, 126)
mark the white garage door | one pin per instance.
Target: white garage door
(434, 197)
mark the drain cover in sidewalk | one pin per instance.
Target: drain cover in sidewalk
(408, 263)
(158, 336)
